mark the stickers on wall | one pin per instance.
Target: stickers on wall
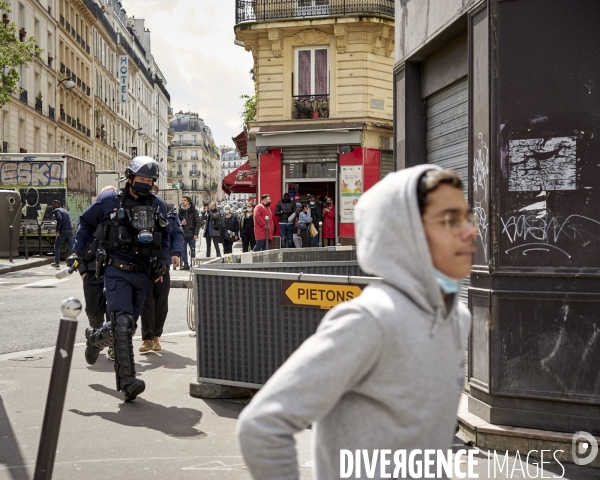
(542, 164)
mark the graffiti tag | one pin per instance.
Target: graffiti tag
(33, 174)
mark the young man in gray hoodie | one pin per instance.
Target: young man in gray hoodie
(385, 370)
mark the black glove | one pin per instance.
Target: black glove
(74, 260)
(160, 268)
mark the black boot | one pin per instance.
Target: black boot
(124, 360)
(96, 341)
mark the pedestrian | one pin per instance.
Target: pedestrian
(304, 225)
(247, 230)
(316, 213)
(285, 207)
(64, 231)
(93, 287)
(190, 221)
(133, 245)
(386, 370)
(296, 231)
(261, 212)
(156, 305)
(329, 223)
(230, 232)
(212, 233)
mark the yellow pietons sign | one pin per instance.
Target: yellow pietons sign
(320, 295)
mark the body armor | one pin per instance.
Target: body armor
(134, 228)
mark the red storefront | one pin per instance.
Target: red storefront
(276, 175)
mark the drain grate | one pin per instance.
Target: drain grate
(26, 359)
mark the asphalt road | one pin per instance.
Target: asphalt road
(30, 303)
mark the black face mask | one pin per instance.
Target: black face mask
(267, 204)
(141, 189)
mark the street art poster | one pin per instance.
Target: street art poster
(351, 189)
(542, 164)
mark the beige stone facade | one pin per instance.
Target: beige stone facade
(360, 65)
(196, 165)
(82, 40)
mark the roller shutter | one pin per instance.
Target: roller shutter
(448, 145)
(310, 154)
(386, 162)
(447, 137)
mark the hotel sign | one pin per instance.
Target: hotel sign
(124, 78)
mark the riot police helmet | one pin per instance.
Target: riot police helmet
(143, 167)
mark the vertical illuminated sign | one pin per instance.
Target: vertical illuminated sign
(124, 78)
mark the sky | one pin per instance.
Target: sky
(192, 43)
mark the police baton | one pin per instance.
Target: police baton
(57, 391)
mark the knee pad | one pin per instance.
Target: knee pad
(124, 324)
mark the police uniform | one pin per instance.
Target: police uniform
(133, 245)
(156, 304)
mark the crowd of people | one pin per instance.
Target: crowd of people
(301, 224)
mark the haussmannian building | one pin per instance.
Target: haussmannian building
(196, 165)
(83, 40)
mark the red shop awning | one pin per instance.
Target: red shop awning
(242, 180)
(241, 142)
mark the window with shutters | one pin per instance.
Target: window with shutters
(311, 83)
(312, 71)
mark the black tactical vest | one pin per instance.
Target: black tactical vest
(122, 229)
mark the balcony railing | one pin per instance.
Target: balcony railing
(194, 157)
(310, 106)
(248, 11)
(189, 143)
(51, 113)
(38, 105)
(194, 174)
(63, 116)
(23, 96)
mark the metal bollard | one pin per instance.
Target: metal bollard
(25, 243)
(10, 245)
(321, 243)
(268, 232)
(57, 390)
(40, 238)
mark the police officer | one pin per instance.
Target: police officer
(156, 305)
(133, 245)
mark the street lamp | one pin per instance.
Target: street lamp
(69, 83)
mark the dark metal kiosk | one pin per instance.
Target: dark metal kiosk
(535, 297)
(523, 96)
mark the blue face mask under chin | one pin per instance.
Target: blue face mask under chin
(447, 285)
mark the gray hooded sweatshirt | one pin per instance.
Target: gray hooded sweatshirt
(383, 371)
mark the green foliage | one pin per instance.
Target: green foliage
(249, 112)
(13, 53)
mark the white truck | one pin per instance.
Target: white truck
(41, 178)
(106, 178)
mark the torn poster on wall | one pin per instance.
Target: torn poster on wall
(542, 164)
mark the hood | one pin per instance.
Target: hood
(391, 239)
(191, 208)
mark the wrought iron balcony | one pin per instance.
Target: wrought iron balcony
(310, 106)
(38, 105)
(250, 11)
(51, 113)
(63, 116)
(23, 96)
